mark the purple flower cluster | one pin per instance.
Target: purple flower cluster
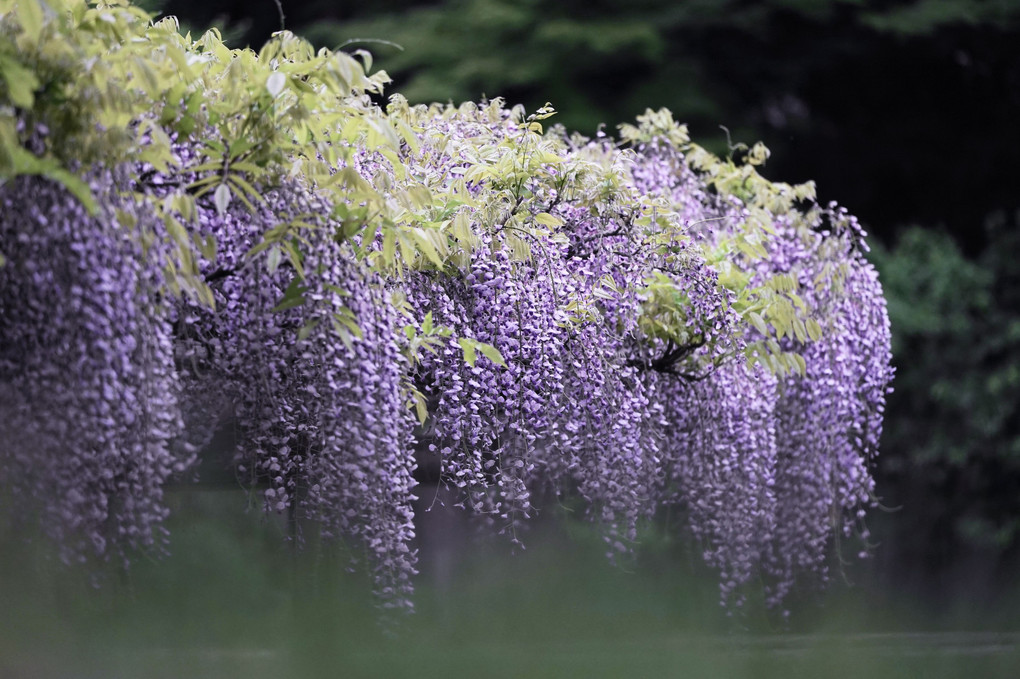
(564, 414)
(322, 425)
(831, 419)
(721, 458)
(88, 393)
(771, 470)
(623, 289)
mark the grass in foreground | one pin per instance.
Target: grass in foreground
(233, 600)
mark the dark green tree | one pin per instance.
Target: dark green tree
(953, 427)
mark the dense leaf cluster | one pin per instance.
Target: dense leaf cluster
(232, 238)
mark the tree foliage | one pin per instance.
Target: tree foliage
(195, 235)
(958, 391)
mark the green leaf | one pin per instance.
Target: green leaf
(266, 243)
(801, 364)
(21, 82)
(293, 296)
(420, 405)
(546, 219)
(204, 294)
(273, 259)
(468, 347)
(461, 229)
(294, 256)
(472, 346)
(176, 230)
(758, 322)
(306, 329)
(491, 352)
(30, 16)
(239, 147)
(407, 250)
(426, 246)
(207, 246)
(221, 198)
(346, 318)
(243, 198)
(814, 330)
(389, 245)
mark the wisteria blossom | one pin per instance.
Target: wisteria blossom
(91, 426)
(633, 323)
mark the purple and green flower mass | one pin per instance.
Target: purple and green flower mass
(631, 323)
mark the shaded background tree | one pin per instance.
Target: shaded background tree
(951, 461)
(903, 111)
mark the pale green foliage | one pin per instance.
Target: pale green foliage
(107, 87)
(100, 84)
(774, 308)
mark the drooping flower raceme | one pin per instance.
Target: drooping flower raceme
(88, 392)
(322, 424)
(796, 449)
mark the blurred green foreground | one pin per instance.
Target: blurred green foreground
(234, 600)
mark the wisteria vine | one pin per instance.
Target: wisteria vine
(632, 322)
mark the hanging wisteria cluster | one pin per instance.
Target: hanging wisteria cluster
(632, 322)
(323, 426)
(88, 389)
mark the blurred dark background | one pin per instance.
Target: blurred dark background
(905, 111)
